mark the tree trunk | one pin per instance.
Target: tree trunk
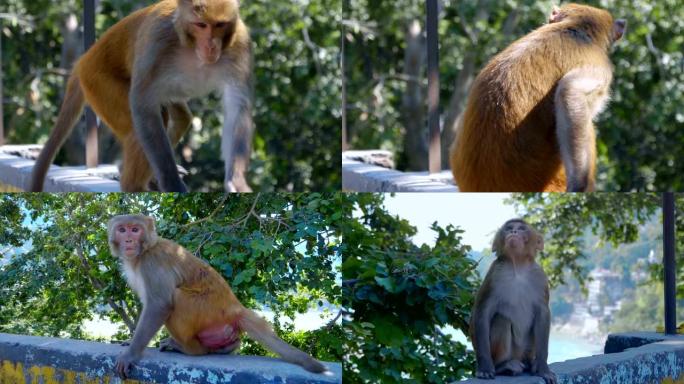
(413, 101)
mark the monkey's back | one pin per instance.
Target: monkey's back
(202, 300)
(112, 55)
(507, 139)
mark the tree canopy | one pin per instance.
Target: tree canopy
(277, 251)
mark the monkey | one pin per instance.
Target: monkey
(527, 125)
(510, 320)
(184, 293)
(138, 77)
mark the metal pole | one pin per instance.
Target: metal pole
(345, 143)
(435, 156)
(2, 114)
(669, 263)
(91, 119)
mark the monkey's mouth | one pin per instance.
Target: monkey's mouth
(129, 249)
(207, 58)
(514, 241)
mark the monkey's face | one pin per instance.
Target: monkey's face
(209, 38)
(516, 236)
(129, 238)
(209, 26)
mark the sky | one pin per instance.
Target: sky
(479, 214)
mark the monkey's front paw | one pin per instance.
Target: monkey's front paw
(480, 374)
(544, 371)
(124, 362)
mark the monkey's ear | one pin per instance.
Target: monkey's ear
(150, 238)
(556, 15)
(113, 244)
(619, 27)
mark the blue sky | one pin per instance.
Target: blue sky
(479, 214)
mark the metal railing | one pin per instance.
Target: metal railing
(2, 100)
(669, 264)
(434, 149)
(91, 148)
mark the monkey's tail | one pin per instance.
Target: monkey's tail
(260, 330)
(71, 110)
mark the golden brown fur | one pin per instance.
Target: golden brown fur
(144, 51)
(508, 140)
(196, 302)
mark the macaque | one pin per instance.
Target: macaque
(138, 78)
(528, 121)
(187, 295)
(510, 321)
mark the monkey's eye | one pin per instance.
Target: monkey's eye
(221, 24)
(201, 25)
(135, 229)
(121, 229)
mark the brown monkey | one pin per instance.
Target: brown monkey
(510, 321)
(184, 293)
(138, 77)
(528, 121)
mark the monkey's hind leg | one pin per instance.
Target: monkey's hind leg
(169, 345)
(503, 354)
(511, 367)
(179, 121)
(135, 169)
(192, 347)
(108, 97)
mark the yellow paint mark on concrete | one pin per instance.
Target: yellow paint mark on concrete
(11, 373)
(9, 188)
(43, 375)
(69, 377)
(670, 380)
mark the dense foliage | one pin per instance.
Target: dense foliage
(399, 297)
(640, 135)
(297, 107)
(279, 251)
(613, 218)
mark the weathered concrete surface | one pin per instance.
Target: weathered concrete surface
(16, 171)
(377, 157)
(646, 364)
(30, 359)
(360, 177)
(618, 342)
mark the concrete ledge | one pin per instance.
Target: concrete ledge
(15, 171)
(649, 363)
(30, 359)
(361, 177)
(619, 342)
